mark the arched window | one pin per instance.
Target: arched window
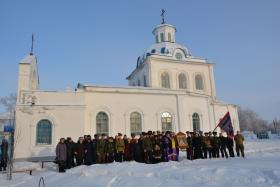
(166, 121)
(135, 123)
(44, 132)
(169, 37)
(102, 123)
(153, 51)
(196, 122)
(182, 81)
(161, 37)
(199, 82)
(162, 50)
(179, 56)
(165, 83)
(157, 41)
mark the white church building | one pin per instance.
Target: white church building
(169, 90)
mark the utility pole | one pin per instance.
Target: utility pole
(11, 156)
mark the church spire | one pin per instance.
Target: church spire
(32, 44)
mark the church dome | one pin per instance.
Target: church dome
(165, 44)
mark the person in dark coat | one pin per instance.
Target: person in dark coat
(70, 145)
(197, 146)
(140, 142)
(223, 142)
(127, 150)
(189, 148)
(136, 150)
(230, 146)
(215, 143)
(88, 151)
(61, 155)
(94, 145)
(4, 154)
(80, 151)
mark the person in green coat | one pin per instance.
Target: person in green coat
(239, 145)
(100, 149)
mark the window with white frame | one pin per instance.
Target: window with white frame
(165, 82)
(166, 121)
(44, 132)
(182, 81)
(196, 122)
(102, 123)
(199, 82)
(135, 123)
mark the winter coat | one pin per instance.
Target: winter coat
(239, 138)
(4, 149)
(88, 153)
(147, 144)
(70, 147)
(136, 151)
(79, 149)
(61, 152)
(120, 146)
(110, 148)
(189, 141)
(100, 147)
(223, 141)
(127, 152)
(215, 142)
(206, 142)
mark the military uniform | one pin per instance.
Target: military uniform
(239, 146)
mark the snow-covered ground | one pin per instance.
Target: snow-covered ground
(261, 167)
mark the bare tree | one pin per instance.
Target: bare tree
(250, 120)
(9, 102)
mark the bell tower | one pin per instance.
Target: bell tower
(28, 77)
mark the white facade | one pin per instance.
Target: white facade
(168, 80)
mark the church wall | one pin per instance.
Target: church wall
(119, 106)
(159, 66)
(64, 110)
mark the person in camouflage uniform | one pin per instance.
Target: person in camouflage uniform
(148, 148)
(239, 146)
(110, 150)
(100, 149)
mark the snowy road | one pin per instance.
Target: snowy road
(261, 167)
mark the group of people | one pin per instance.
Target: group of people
(148, 147)
(3, 154)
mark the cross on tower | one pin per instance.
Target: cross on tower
(32, 44)
(162, 16)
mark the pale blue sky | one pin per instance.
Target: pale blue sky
(98, 42)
